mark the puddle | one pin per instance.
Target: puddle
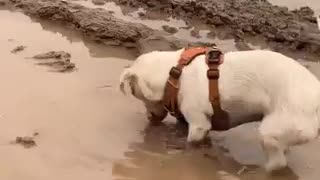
(82, 128)
(88, 130)
(133, 16)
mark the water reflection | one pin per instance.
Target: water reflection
(95, 48)
(163, 155)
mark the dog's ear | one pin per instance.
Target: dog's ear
(130, 83)
(127, 80)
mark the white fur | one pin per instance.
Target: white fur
(251, 82)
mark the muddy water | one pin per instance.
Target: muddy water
(84, 124)
(87, 129)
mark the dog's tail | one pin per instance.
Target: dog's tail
(129, 83)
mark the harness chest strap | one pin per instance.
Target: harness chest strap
(214, 58)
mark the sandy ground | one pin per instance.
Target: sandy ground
(88, 130)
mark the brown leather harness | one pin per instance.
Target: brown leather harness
(214, 57)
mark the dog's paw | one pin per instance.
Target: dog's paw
(276, 165)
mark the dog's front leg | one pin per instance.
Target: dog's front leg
(199, 126)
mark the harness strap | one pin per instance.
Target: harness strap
(170, 99)
(214, 58)
(220, 120)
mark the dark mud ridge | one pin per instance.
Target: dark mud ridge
(100, 25)
(58, 61)
(282, 29)
(292, 30)
(26, 141)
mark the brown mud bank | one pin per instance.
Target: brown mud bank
(294, 33)
(101, 26)
(281, 29)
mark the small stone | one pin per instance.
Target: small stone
(18, 49)
(26, 142)
(195, 33)
(151, 3)
(59, 61)
(216, 20)
(98, 2)
(168, 29)
(141, 14)
(111, 12)
(35, 134)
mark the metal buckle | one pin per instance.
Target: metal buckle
(213, 61)
(213, 56)
(175, 72)
(213, 74)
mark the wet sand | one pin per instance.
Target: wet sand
(88, 130)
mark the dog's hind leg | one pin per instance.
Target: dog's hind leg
(279, 131)
(272, 133)
(274, 150)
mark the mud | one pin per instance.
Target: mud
(98, 2)
(2, 3)
(282, 29)
(169, 29)
(82, 129)
(89, 130)
(58, 61)
(18, 49)
(26, 142)
(100, 25)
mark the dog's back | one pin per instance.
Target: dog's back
(254, 81)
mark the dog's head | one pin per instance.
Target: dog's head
(131, 83)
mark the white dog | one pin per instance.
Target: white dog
(251, 82)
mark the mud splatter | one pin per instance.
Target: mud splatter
(18, 49)
(169, 29)
(59, 61)
(26, 141)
